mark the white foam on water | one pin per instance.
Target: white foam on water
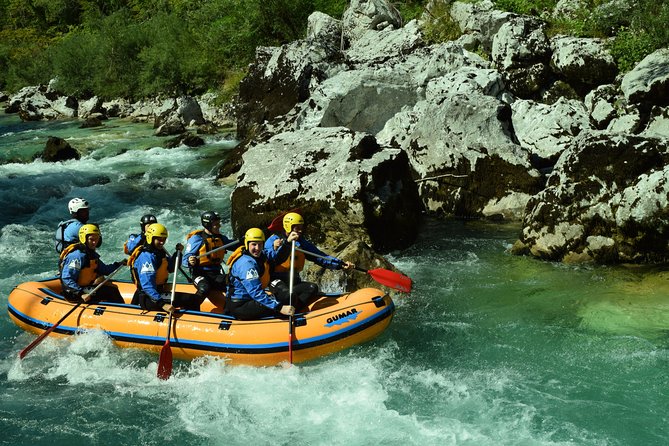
(488, 349)
(362, 396)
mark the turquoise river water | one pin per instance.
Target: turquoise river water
(488, 349)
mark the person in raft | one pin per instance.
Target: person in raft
(150, 267)
(135, 240)
(206, 271)
(67, 232)
(246, 297)
(81, 270)
(278, 248)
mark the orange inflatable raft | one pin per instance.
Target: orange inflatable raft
(331, 324)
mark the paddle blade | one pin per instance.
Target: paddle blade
(391, 279)
(41, 337)
(277, 223)
(165, 361)
(33, 344)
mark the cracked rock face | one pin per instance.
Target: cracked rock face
(344, 182)
(649, 80)
(503, 123)
(607, 200)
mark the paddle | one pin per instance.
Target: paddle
(232, 243)
(277, 223)
(188, 278)
(385, 277)
(46, 333)
(290, 301)
(165, 360)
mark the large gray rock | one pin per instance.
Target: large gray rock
(521, 50)
(183, 109)
(36, 103)
(607, 201)
(601, 105)
(171, 126)
(356, 100)
(89, 106)
(65, 106)
(658, 124)
(14, 101)
(37, 108)
(480, 18)
(364, 15)
(629, 120)
(648, 82)
(146, 110)
(365, 98)
(546, 130)
(461, 148)
(280, 78)
(520, 42)
(189, 111)
(348, 186)
(220, 115)
(117, 108)
(321, 27)
(583, 61)
(388, 46)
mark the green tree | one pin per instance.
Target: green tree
(22, 56)
(101, 58)
(173, 62)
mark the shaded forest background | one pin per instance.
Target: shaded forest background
(141, 48)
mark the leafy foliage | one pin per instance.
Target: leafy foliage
(631, 47)
(410, 10)
(135, 48)
(138, 48)
(636, 28)
(439, 25)
(20, 55)
(528, 7)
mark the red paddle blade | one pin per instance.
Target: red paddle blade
(33, 344)
(277, 223)
(165, 361)
(391, 279)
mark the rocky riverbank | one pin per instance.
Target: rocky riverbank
(541, 130)
(367, 128)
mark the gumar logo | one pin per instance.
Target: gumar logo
(343, 318)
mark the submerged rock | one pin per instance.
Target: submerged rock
(57, 149)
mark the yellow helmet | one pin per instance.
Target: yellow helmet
(291, 219)
(87, 230)
(253, 235)
(155, 230)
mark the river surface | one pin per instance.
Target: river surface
(488, 349)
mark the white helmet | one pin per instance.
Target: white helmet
(77, 203)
